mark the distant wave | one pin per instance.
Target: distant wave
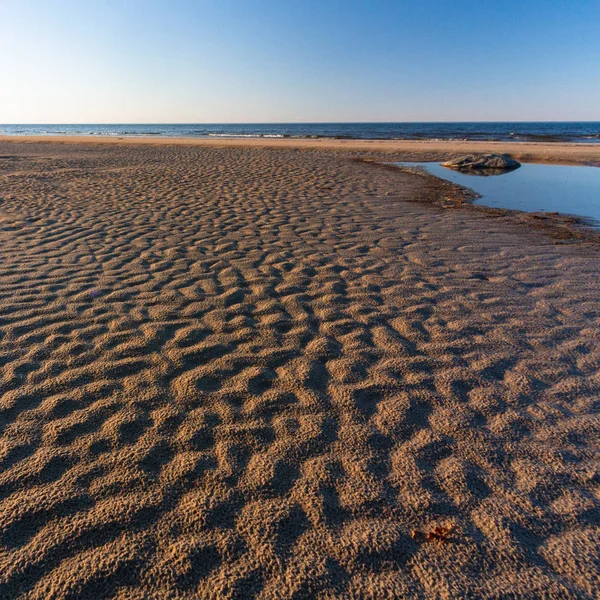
(135, 133)
(142, 133)
(537, 137)
(249, 135)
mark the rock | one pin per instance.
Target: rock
(494, 164)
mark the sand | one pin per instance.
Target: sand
(539, 152)
(233, 372)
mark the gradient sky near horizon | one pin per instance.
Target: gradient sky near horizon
(222, 61)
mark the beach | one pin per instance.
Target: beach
(539, 152)
(275, 369)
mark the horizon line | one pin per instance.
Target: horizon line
(291, 122)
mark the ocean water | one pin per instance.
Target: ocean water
(583, 132)
(532, 188)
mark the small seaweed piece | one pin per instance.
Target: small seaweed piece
(439, 533)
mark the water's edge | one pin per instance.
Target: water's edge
(571, 192)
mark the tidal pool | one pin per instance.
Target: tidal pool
(532, 188)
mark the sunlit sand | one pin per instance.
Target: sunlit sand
(232, 370)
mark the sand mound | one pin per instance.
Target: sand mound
(250, 372)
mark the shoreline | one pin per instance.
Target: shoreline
(562, 227)
(538, 152)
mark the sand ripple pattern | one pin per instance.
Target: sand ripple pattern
(234, 373)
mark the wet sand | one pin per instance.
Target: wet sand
(235, 370)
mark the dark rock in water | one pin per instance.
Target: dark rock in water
(488, 164)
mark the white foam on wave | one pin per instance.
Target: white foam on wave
(247, 135)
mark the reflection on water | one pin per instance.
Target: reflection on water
(482, 172)
(532, 188)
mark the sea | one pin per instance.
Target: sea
(581, 132)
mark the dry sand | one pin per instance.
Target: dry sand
(231, 372)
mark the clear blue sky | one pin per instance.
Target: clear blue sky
(159, 61)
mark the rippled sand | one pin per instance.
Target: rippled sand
(233, 372)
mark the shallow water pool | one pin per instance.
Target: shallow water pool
(532, 188)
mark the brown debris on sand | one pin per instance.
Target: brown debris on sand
(440, 533)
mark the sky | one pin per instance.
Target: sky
(269, 61)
